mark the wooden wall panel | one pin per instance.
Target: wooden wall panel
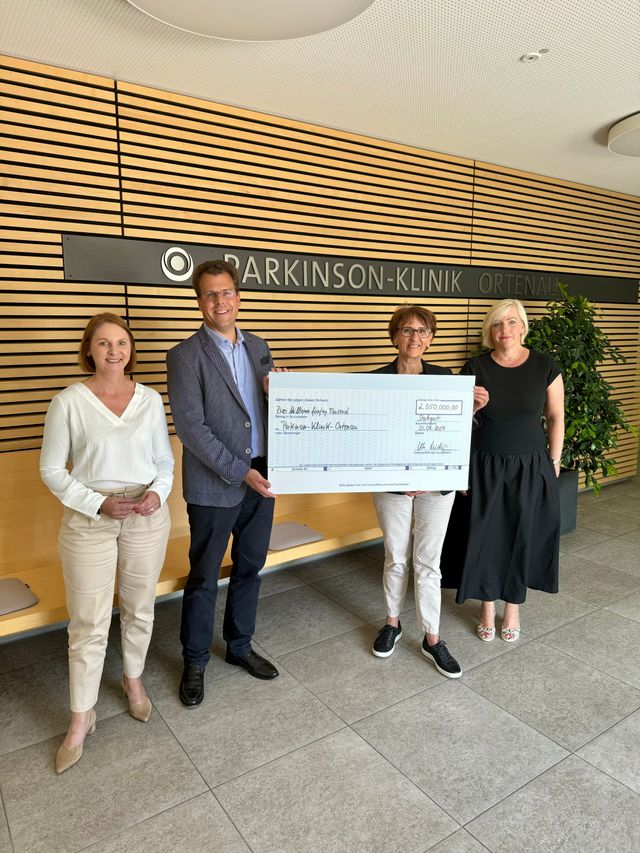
(59, 173)
(85, 154)
(276, 183)
(532, 222)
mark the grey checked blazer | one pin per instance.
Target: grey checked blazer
(211, 420)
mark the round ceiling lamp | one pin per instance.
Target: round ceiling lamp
(624, 137)
(253, 20)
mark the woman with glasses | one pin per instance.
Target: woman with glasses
(414, 523)
(115, 521)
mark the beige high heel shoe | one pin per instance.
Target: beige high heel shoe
(66, 758)
(487, 633)
(138, 710)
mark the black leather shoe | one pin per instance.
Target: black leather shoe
(255, 664)
(192, 685)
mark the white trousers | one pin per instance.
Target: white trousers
(93, 553)
(428, 515)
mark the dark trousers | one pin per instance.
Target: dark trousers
(250, 525)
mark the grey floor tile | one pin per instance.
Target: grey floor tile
(192, 827)
(572, 808)
(603, 640)
(26, 651)
(346, 676)
(628, 607)
(129, 772)
(267, 718)
(329, 567)
(628, 504)
(616, 752)
(557, 695)
(5, 838)
(632, 536)
(543, 612)
(579, 538)
(630, 486)
(272, 582)
(299, 617)
(361, 593)
(35, 700)
(330, 796)
(462, 750)
(605, 520)
(587, 497)
(459, 842)
(586, 581)
(375, 550)
(618, 552)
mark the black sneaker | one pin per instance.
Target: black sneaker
(442, 658)
(386, 640)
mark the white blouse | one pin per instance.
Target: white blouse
(104, 448)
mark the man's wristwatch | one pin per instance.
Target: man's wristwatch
(556, 461)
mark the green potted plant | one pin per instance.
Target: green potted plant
(569, 331)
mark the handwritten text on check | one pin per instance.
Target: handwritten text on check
(331, 432)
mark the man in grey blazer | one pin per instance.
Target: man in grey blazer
(217, 390)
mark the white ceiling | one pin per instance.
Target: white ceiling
(439, 74)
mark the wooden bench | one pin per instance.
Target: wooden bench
(30, 516)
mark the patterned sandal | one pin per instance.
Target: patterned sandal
(485, 633)
(510, 635)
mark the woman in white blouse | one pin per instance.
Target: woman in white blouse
(113, 431)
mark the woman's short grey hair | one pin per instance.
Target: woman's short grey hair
(496, 312)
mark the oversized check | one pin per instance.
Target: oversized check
(363, 432)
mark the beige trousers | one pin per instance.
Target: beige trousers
(414, 530)
(94, 552)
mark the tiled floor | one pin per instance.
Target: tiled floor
(535, 748)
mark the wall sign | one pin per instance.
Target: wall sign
(153, 262)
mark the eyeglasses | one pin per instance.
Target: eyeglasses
(220, 294)
(422, 332)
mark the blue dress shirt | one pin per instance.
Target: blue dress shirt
(250, 389)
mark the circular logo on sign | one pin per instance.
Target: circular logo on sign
(176, 264)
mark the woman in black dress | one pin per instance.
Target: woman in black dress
(511, 513)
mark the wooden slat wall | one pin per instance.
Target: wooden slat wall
(85, 154)
(199, 170)
(534, 222)
(59, 173)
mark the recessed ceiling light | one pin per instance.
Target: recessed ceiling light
(624, 137)
(253, 20)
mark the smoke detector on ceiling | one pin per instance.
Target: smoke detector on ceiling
(534, 55)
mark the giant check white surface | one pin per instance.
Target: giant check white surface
(351, 432)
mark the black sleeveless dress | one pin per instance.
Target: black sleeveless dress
(504, 536)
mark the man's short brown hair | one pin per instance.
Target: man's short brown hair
(404, 313)
(215, 267)
(86, 360)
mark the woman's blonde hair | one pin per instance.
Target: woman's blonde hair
(85, 359)
(496, 312)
